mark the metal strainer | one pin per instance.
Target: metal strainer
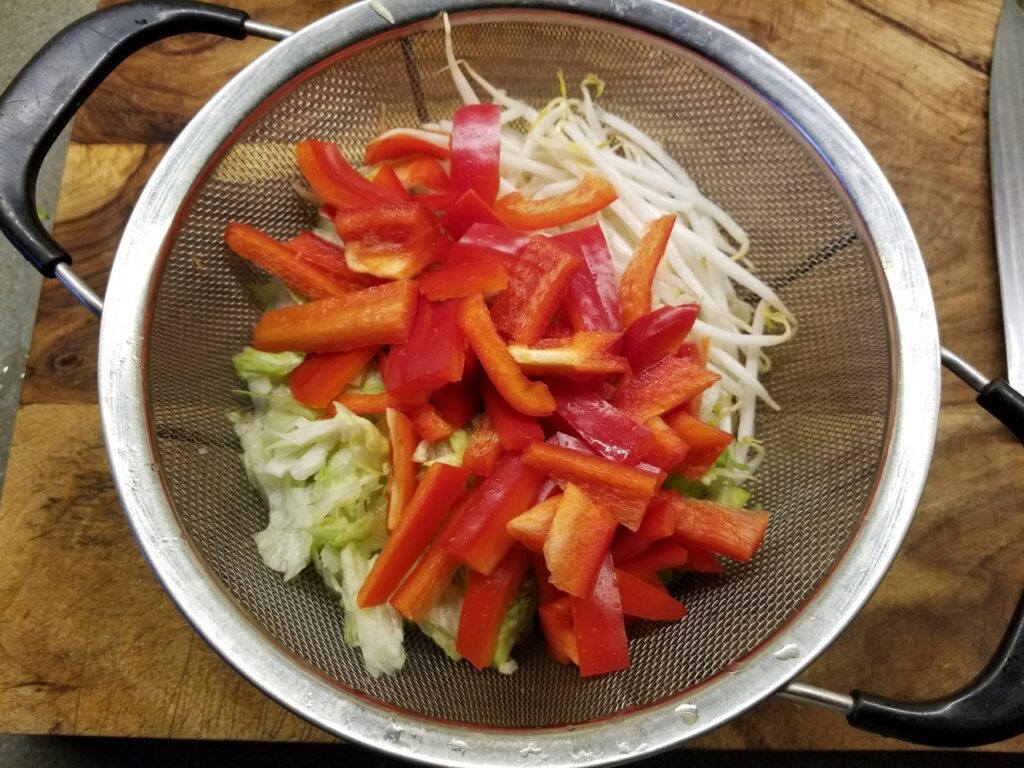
(847, 455)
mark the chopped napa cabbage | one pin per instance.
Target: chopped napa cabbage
(516, 625)
(251, 363)
(441, 624)
(721, 483)
(368, 382)
(447, 451)
(274, 294)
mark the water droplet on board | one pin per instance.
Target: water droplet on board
(458, 746)
(787, 652)
(688, 713)
(393, 733)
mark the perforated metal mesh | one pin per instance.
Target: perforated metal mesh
(824, 448)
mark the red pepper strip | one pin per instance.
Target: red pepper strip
(574, 443)
(437, 492)
(483, 608)
(484, 449)
(599, 626)
(666, 449)
(531, 528)
(621, 489)
(665, 554)
(583, 354)
(335, 181)
(588, 197)
(402, 472)
(659, 523)
(529, 397)
(705, 443)
(656, 334)
(645, 601)
(703, 561)
(556, 623)
(515, 430)
(468, 210)
(458, 402)
(320, 378)
(462, 253)
(388, 180)
(635, 287)
(504, 239)
(363, 404)
(382, 314)
(476, 149)
(434, 354)
(420, 174)
(280, 261)
(548, 592)
(697, 351)
(429, 423)
(458, 280)
(327, 256)
(609, 431)
(398, 146)
(481, 537)
(735, 533)
(535, 289)
(577, 542)
(392, 240)
(592, 300)
(436, 203)
(661, 387)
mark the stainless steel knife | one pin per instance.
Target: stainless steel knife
(1006, 162)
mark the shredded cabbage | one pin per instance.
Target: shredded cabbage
(447, 451)
(516, 625)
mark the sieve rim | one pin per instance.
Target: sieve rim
(293, 683)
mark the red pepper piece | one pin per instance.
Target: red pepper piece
(623, 490)
(462, 253)
(705, 443)
(665, 554)
(429, 423)
(327, 256)
(531, 528)
(402, 472)
(484, 449)
(321, 377)
(635, 287)
(642, 600)
(584, 354)
(702, 561)
(422, 175)
(658, 333)
(480, 540)
(599, 626)
(400, 145)
(577, 541)
(578, 444)
(364, 404)
(335, 181)
(610, 432)
(536, 286)
(592, 300)
(434, 354)
(382, 314)
(484, 606)
(662, 387)
(395, 240)
(496, 238)
(735, 533)
(556, 623)
(438, 203)
(529, 397)
(476, 149)
(458, 402)
(659, 523)
(515, 430)
(280, 261)
(386, 178)
(666, 448)
(436, 494)
(587, 198)
(468, 210)
(461, 279)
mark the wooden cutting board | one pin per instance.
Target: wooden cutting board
(89, 643)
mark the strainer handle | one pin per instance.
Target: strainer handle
(45, 95)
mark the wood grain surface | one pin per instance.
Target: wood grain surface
(89, 643)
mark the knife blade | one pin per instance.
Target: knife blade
(1006, 163)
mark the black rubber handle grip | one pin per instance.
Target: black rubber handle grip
(45, 95)
(990, 708)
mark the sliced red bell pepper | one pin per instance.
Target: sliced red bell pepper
(529, 397)
(440, 488)
(587, 198)
(476, 150)
(666, 448)
(581, 355)
(577, 541)
(531, 528)
(458, 402)
(461, 279)
(381, 314)
(386, 178)
(321, 377)
(335, 181)
(578, 444)
(659, 523)
(641, 600)
(535, 289)
(599, 626)
(421, 175)
(559, 329)
(556, 623)
(621, 489)
(702, 561)
(635, 286)
(735, 533)
(395, 240)
(429, 423)
(547, 591)
(656, 334)
(434, 354)
(484, 605)
(610, 432)
(697, 351)
(515, 430)
(462, 253)
(280, 261)
(399, 145)
(468, 210)
(402, 471)
(436, 203)
(480, 539)
(496, 238)
(664, 554)
(327, 256)
(705, 443)
(484, 449)
(662, 387)
(592, 300)
(364, 404)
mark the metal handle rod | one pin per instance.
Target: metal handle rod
(267, 31)
(819, 697)
(967, 373)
